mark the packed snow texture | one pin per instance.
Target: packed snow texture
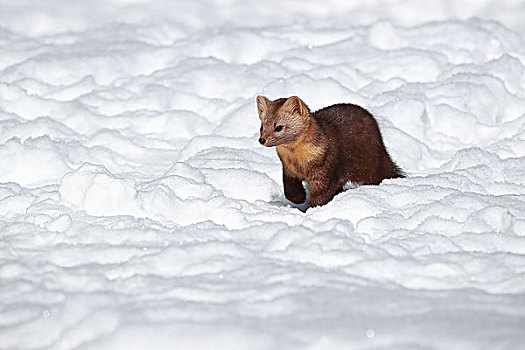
(138, 211)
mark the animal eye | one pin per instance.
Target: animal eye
(278, 128)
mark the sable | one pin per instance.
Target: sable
(327, 148)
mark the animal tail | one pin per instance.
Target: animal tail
(397, 172)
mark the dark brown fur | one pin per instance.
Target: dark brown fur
(327, 148)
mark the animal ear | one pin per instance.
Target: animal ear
(262, 106)
(294, 105)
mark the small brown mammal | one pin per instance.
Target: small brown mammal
(327, 148)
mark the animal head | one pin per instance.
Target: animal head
(282, 120)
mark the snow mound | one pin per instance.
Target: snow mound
(137, 208)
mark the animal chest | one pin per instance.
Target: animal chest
(297, 162)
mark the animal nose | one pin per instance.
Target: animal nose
(262, 141)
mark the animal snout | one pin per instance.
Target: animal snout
(262, 141)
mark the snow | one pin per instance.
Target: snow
(137, 209)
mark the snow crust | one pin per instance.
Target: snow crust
(137, 209)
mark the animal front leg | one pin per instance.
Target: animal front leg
(321, 192)
(293, 189)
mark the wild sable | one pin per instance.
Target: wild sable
(327, 148)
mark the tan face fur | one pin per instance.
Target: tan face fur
(282, 120)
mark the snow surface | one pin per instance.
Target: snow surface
(138, 211)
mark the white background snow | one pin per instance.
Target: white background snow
(138, 211)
